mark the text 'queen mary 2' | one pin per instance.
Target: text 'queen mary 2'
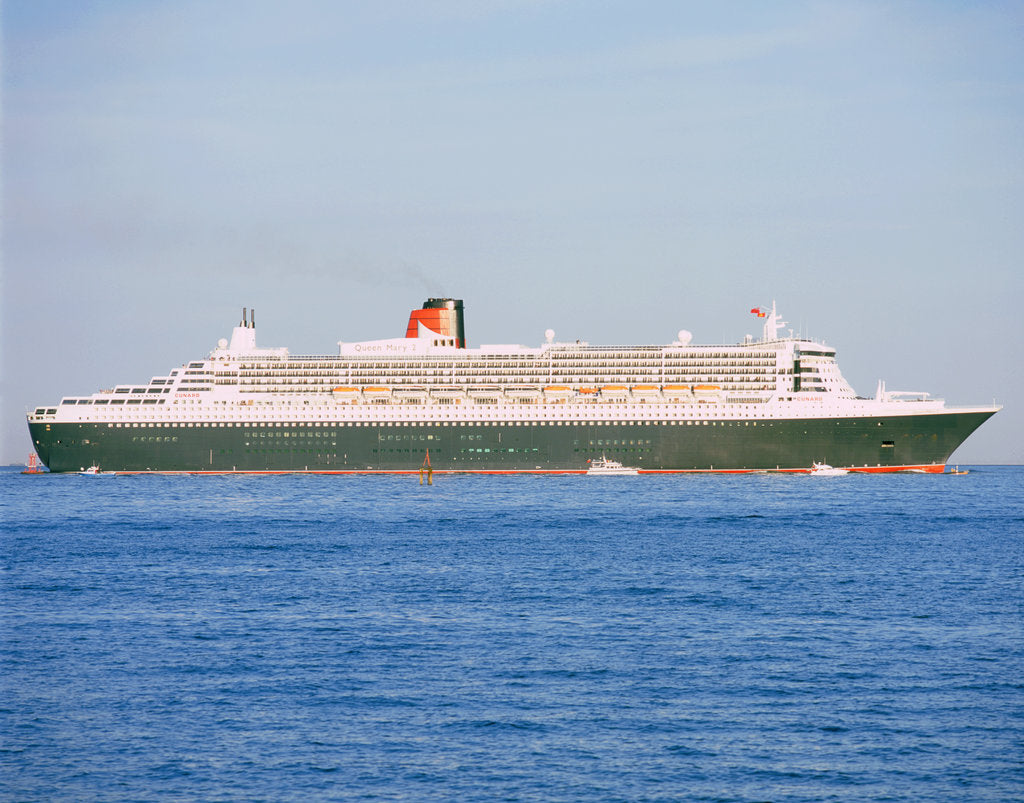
(778, 403)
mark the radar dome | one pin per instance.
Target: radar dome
(549, 334)
(684, 337)
(222, 343)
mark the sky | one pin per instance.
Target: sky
(615, 171)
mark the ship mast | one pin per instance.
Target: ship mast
(772, 324)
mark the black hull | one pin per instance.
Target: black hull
(867, 443)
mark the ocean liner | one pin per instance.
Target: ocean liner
(778, 403)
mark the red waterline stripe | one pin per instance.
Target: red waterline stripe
(933, 468)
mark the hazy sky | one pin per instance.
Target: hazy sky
(615, 171)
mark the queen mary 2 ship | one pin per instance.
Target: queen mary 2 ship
(425, 399)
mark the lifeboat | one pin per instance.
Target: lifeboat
(558, 391)
(376, 390)
(413, 392)
(588, 391)
(614, 390)
(448, 392)
(645, 390)
(345, 391)
(707, 389)
(523, 392)
(676, 388)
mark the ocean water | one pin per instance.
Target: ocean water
(705, 638)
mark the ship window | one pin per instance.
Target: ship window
(68, 401)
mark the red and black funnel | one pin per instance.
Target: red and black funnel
(443, 316)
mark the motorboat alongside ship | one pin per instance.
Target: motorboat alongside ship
(825, 470)
(94, 471)
(603, 467)
(774, 403)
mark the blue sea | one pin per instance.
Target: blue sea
(566, 638)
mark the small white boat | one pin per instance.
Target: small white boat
(825, 470)
(602, 466)
(94, 471)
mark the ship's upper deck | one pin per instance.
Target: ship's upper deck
(435, 368)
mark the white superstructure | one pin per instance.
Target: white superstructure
(426, 378)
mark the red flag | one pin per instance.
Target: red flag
(755, 311)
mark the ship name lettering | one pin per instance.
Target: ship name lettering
(382, 348)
